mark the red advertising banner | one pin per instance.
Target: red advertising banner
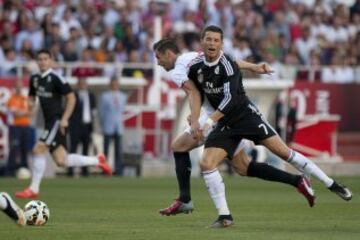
(329, 99)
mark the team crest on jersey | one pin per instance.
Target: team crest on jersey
(217, 70)
(48, 79)
(200, 78)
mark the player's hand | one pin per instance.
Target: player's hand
(264, 68)
(195, 130)
(64, 123)
(206, 129)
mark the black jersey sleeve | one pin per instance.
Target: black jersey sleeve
(230, 86)
(192, 74)
(61, 85)
(32, 90)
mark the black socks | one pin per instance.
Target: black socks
(10, 211)
(183, 172)
(270, 173)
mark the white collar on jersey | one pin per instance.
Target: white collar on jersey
(210, 64)
(44, 74)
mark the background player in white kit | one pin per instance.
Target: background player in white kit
(169, 57)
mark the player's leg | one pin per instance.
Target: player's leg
(244, 166)
(11, 209)
(211, 158)
(181, 146)
(303, 164)
(63, 159)
(37, 171)
(85, 144)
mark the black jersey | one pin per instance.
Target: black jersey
(221, 83)
(49, 87)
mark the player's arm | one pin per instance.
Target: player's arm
(261, 68)
(230, 88)
(31, 96)
(195, 104)
(70, 101)
(64, 89)
(31, 105)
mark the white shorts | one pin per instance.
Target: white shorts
(244, 143)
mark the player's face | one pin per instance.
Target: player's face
(165, 60)
(44, 62)
(211, 45)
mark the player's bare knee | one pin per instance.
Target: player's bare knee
(207, 164)
(39, 149)
(176, 146)
(60, 161)
(182, 144)
(241, 171)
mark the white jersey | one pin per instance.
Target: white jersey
(179, 74)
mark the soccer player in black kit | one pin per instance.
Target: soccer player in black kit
(219, 79)
(51, 88)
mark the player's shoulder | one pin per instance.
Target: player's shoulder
(57, 76)
(228, 64)
(197, 61)
(35, 75)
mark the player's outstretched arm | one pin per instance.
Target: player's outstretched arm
(261, 68)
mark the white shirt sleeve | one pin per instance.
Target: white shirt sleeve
(179, 75)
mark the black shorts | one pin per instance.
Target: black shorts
(252, 127)
(52, 135)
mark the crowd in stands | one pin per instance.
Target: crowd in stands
(282, 32)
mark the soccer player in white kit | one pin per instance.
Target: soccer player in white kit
(169, 57)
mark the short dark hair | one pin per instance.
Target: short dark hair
(44, 51)
(212, 28)
(166, 44)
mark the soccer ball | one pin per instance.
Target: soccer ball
(23, 173)
(36, 213)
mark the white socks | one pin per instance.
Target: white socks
(216, 188)
(3, 203)
(77, 160)
(38, 169)
(304, 165)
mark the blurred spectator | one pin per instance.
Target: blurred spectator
(241, 49)
(289, 69)
(133, 57)
(8, 67)
(82, 121)
(87, 67)
(68, 21)
(275, 65)
(70, 53)
(32, 33)
(112, 29)
(19, 130)
(305, 44)
(111, 110)
(291, 121)
(53, 36)
(338, 71)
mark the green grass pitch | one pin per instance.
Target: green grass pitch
(127, 208)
